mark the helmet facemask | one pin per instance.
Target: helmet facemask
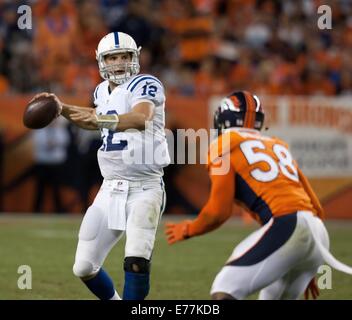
(109, 71)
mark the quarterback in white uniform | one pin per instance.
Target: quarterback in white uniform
(130, 115)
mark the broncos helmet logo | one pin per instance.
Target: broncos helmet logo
(239, 109)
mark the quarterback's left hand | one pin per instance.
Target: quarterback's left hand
(177, 231)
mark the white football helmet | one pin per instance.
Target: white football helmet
(117, 42)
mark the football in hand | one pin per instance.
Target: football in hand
(40, 112)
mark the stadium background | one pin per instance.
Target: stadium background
(200, 50)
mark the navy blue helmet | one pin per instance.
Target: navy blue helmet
(239, 109)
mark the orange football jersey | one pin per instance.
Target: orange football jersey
(261, 174)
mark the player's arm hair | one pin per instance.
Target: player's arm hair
(309, 190)
(218, 207)
(68, 110)
(137, 117)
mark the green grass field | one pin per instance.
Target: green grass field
(183, 271)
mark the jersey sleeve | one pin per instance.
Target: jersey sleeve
(146, 87)
(95, 96)
(219, 205)
(222, 146)
(313, 197)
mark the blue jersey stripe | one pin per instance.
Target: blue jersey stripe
(144, 78)
(117, 41)
(138, 77)
(255, 203)
(96, 92)
(273, 239)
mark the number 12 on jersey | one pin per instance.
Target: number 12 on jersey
(149, 89)
(109, 145)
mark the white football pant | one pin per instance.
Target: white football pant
(279, 259)
(144, 204)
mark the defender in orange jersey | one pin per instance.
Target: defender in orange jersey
(282, 257)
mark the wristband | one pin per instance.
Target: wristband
(108, 121)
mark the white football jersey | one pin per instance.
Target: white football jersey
(132, 155)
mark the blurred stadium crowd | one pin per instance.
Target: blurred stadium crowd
(198, 47)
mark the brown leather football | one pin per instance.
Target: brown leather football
(40, 112)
